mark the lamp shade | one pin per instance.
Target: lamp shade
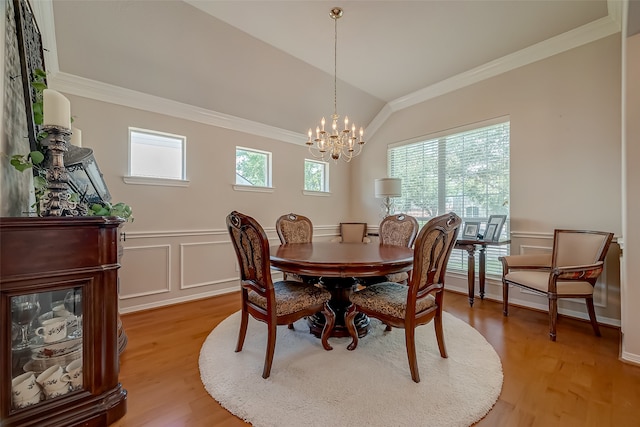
(388, 187)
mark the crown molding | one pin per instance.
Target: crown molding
(87, 88)
(587, 33)
(92, 89)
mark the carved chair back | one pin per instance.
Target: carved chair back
(399, 230)
(433, 247)
(293, 228)
(252, 248)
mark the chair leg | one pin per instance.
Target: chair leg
(290, 326)
(244, 321)
(410, 341)
(329, 322)
(592, 316)
(349, 321)
(437, 323)
(505, 298)
(271, 345)
(553, 317)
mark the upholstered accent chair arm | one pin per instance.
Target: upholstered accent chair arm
(526, 262)
(578, 272)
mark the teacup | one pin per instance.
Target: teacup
(53, 330)
(52, 382)
(24, 386)
(60, 311)
(55, 392)
(51, 377)
(74, 374)
(23, 403)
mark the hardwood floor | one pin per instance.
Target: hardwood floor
(576, 381)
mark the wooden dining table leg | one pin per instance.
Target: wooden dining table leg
(340, 289)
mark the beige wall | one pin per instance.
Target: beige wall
(565, 172)
(178, 247)
(565, 154)
(631, 269)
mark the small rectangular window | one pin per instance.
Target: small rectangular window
(253, 167)
(156, 154)
(316, 176)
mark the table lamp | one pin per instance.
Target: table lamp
(388, 188)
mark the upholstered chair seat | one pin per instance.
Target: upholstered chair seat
(539, 280)
(292, 296)
(389, 298)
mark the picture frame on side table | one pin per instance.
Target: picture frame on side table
(470, 230)
(492, 234)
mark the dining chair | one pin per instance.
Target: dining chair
(570, 271)
(294, 228)
(421, 300)
(399, 230)
(352, 232)
(279, 303)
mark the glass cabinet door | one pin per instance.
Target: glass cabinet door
(46, 346)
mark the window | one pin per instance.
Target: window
(156, 155)
(253, 167)
(465, 171)
(316, 176)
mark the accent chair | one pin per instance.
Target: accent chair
(570, 271)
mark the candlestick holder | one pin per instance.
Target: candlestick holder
(56, 199)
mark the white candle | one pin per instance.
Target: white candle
(76, 137)
(56, 109)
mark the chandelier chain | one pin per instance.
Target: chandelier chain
(335, 66)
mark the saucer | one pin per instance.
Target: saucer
(47, 351)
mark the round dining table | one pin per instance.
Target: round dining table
(337, 267)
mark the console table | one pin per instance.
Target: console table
(470, 245)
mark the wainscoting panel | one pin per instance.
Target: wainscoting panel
(197, 261)
(171, 266)
(154, 275)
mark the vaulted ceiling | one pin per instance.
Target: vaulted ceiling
(272, 62)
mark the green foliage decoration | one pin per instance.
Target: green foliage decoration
(119, 209)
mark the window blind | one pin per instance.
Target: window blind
(464, 171)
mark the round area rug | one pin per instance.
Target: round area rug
(369, 386)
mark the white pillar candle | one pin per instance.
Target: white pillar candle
(56, 109)
(76, 137)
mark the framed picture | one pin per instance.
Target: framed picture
(494, 227)
(470, 230)
(490, 232)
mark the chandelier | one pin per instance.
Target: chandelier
(335, 143)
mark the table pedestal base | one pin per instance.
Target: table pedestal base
(340, 289)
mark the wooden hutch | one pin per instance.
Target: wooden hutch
(47, 260)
